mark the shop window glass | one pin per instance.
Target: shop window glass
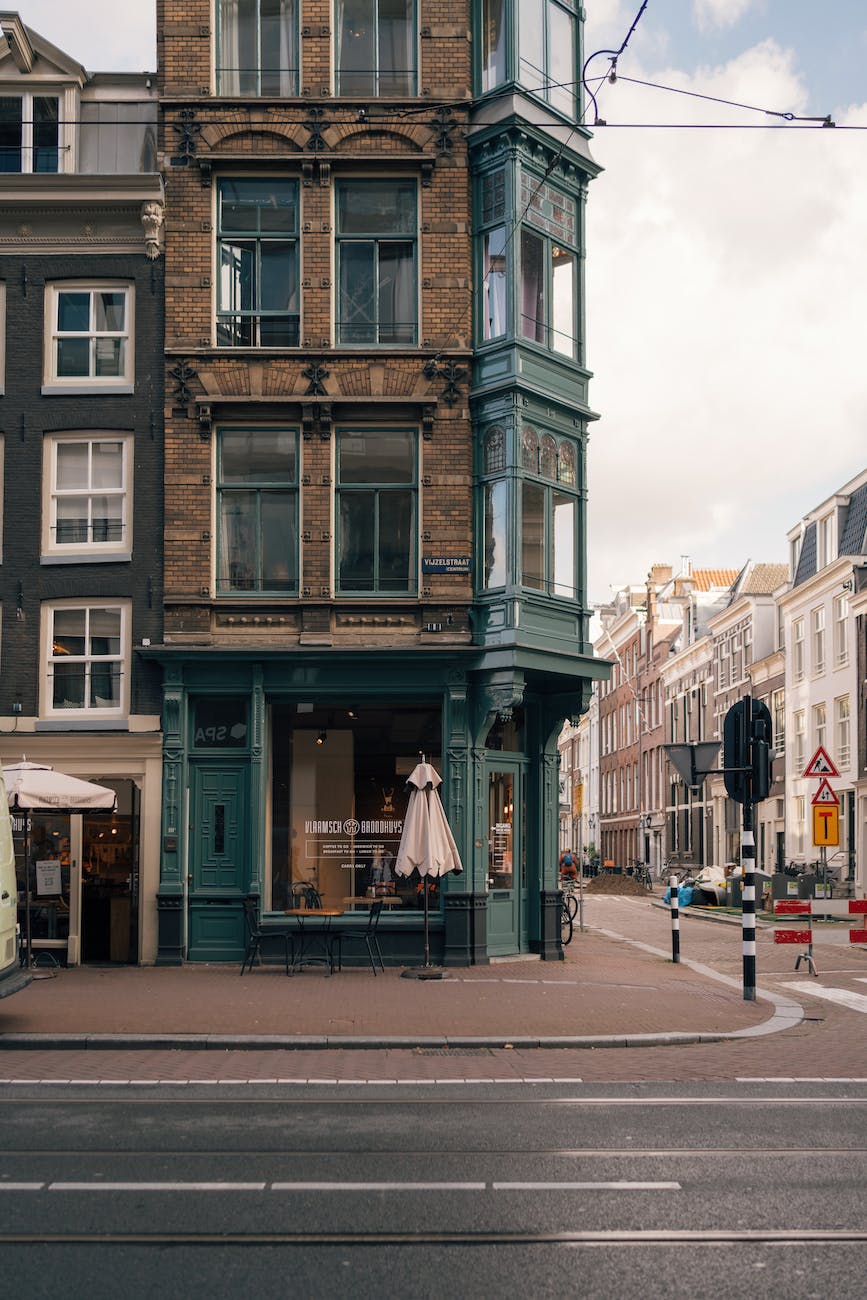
(338, 800)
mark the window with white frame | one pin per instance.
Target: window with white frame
(778, 714)
(798, 649)
(257, 47)
(88, 496)
(841, 628)
(376, 48)
(86, 659)
(820, 724)
(817, 634)
(799, 721)
(841, 730)
(29, 133)
(800, 809)
(89, 337)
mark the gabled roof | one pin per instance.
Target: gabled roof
(713, 579)
(24, 53)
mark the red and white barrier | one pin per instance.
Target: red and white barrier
(819, 907)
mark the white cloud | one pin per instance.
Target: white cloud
(719, 13)
(726, 290)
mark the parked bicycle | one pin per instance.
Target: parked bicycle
(566, 921)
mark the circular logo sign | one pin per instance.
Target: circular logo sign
(351, 826)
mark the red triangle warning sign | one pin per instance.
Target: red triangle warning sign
(825, 795)
(820, 764)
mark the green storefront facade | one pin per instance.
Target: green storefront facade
(281, 769)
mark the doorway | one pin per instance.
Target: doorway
(218, 862)
(110, 879)
(507, 859)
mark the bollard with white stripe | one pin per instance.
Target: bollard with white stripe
(675, 919)
(748, 918)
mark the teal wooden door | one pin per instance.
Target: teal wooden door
(507, 883)
(218, 866)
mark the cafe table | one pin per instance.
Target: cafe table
(314, 935)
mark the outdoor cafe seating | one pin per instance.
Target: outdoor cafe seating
(362, 935)
(256, 936)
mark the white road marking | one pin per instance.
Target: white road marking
(378, 1187)
(784, 1078)
(586, 1187)
(854, 1001)
(157, 1187)
(21, 1187)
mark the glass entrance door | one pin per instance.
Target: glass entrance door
(507, 871)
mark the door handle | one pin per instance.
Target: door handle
(190, 878)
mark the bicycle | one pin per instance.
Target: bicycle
(569, 890)
(641, 873)
(566, 925)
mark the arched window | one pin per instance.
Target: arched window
(548, 458)
(529, 450)
(495, 450)
(566, 463)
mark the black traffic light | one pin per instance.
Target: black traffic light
(762, 761)
(747, 760)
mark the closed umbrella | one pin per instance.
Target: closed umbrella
(426, 846)
(35, 787)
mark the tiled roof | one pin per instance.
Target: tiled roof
(852, 539)
(765, 579)
(708, 579)
(807, 559)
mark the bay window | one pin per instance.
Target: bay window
(257, 260)
(257, 495)
(376, 262)
(376, 48)
(546, 39)
(376, 510)
(548, 280)
(549, 515)
(257, 43)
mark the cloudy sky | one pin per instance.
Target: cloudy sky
(727, 278)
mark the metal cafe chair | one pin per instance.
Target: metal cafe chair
(305, 895)
(366, 935)
(256, 935)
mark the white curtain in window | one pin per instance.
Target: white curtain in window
(230, 47)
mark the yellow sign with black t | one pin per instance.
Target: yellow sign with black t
(826, 825)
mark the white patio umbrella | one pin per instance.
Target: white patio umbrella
(426, 846)
(35, 787)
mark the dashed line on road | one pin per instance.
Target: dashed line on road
(299, 1081)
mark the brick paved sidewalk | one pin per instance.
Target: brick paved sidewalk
(606, 988)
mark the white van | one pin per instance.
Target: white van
(12, 976)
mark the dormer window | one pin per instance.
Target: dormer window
(29, 133)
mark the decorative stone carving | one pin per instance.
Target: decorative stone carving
(152, 221)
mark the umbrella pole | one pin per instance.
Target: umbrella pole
(27, 889)
(426, 929)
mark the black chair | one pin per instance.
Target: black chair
(366, 935)
(305, 895)
(256, 936)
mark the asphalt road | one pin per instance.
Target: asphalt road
(546, 1190)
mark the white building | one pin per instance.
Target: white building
(827, 551)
